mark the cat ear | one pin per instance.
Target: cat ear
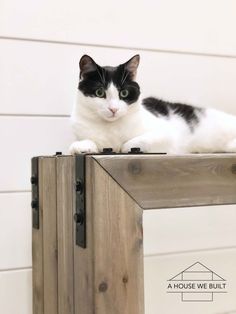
(86, 64)
(132, 65)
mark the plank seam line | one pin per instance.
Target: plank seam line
(214, 249)
(135, 201)
(28, 115)
(71, 43)
(15, 269)
(14, 191)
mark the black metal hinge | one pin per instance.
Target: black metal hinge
(35, 192)
(80, 212)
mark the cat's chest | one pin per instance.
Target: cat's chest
(112, 135)
(102, 134)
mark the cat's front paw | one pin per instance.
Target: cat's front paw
(135, 142)
(85, 146)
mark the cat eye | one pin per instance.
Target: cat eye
(100, 92)
(124, 93)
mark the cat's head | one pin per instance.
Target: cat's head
(108, 91)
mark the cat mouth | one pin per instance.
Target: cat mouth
(114, 117)
(111, 118)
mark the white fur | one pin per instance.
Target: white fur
(96, 127)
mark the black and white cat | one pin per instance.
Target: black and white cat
(109, 113)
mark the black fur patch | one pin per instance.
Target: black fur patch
(156, 106)
(163, 108)
(104, 76)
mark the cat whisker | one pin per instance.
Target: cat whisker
(124, 77)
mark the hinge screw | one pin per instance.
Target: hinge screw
(107, 150)
(34, 204)
(135, 150)
(79, 186)
(79, 218)
(34, 180)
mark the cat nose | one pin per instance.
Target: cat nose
(113, 110)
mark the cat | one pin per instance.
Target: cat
(109, 112)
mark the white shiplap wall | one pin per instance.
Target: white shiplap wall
(188, 51)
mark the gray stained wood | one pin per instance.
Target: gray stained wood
(65, 227)
(109, 272)
(49, 235)
(37, 256)
(107, 277)
(44, 250)
(161, 181)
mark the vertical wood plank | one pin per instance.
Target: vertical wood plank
(65, 203)
(49, 235)
(118, 247)
(83, 259)
(109, 272)
(37, 253)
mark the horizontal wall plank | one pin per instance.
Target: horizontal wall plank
(16, 292)
(165, 181)
(42, 76)
(22, 138)
(47, 85)
(15, 226)
(160, 269)
(199, 25)
(170, 231)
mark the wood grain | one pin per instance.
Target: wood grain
(161, 181)
(37, 254)
(107, 277)
(65, 226)
(109, 273)
(48, 184)
(45, 242)
(84, 259)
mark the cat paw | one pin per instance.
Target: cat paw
(136, 142)
(85, 146)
